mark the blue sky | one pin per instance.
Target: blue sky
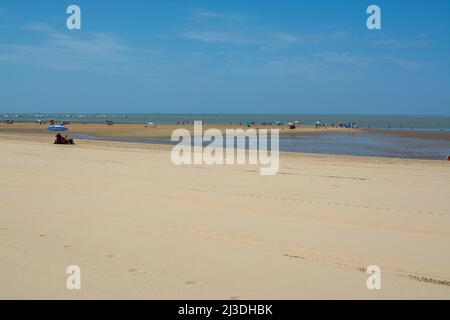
(225, 56)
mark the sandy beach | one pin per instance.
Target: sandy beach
(239, 154)
(140, 227)
(137, 130)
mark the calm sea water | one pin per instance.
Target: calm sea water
(355, 144)
(364, 121)
(368, 144)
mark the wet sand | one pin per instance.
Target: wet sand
(133, 130)
(408, 133)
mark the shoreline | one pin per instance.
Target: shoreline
(94, 143)
(135, 130)
(409, 144)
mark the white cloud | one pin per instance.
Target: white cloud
(204, 15)
(419, 41)
(235, 28)
(74, 50)
(343, 58)
(326, 65)
(330, 65)
(212, 36)
(407, 64)
(246, 36)
(289, 38)
(268, 40)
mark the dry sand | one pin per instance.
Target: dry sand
(141, 227)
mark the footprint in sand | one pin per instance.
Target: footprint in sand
(42, 235)
(294, 256)
(135, 271)
(68, 246)
(190, 282)
(429, 280)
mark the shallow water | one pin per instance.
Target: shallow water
(367, 144)
(355, 144)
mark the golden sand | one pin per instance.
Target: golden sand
(141, 227)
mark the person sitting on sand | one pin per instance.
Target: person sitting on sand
(59, 139)
(63, 140)
(68, 140)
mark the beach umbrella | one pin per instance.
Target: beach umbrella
(57, 128)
